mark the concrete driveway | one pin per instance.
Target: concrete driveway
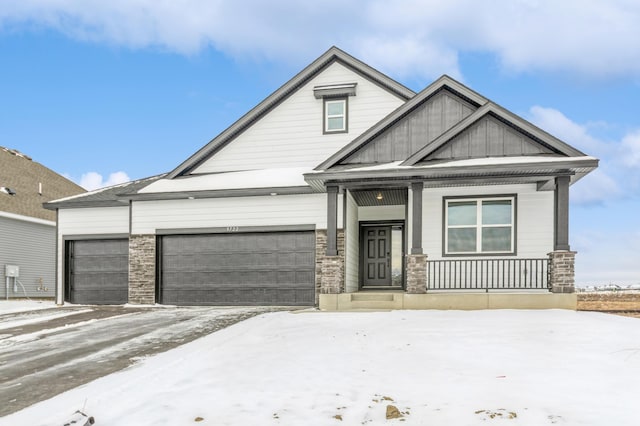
(46, 352)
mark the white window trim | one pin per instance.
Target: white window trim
(479, 226)
(345, 105)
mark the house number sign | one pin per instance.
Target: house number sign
(233, 228)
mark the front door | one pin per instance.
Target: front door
(376, 254)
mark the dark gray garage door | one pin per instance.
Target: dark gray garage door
(97, 271)
(275, 268)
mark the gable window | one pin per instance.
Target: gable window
(335, 115)
(480, 225)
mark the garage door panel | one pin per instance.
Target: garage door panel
(239, 297)
(98, 271)
(239, 269)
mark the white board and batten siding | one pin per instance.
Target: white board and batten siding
(291, 135)
(535, 220)
(30, 245)
(232, 213)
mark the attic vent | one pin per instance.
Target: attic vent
(335, 90)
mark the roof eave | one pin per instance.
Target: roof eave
(550, 168)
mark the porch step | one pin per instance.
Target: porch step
(372, 297)
(375, 301)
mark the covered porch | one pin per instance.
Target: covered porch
(377, 259)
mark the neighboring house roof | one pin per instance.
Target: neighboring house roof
(330, 56)
(111, 196)
(32, 184)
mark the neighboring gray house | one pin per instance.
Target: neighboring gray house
(27, 229)
(342, 189)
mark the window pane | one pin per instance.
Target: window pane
(396, 257)
(336, 123)
(496, 239)
(335, 108)
(461, 240)
(462, 213)
(496, 212)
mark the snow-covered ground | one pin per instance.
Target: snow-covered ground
(436, 367)
(23, 305)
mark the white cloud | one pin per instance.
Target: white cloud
(417, 37)
(559, 125)
(631, 149)
(594, 188)
(93, 180)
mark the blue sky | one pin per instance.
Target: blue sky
(103, 92)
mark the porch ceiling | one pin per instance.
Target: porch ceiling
(380, 197)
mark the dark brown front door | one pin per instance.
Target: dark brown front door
(376, 250)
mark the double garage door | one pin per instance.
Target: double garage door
(260, 268)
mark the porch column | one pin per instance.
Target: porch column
(332, 220)
(332, 262)
(562, 259)
(416, 260)
(416, 217)
(562, 213)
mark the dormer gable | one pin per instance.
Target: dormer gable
(447, 121)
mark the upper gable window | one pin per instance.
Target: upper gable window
(335, 115)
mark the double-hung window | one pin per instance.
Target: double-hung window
(335, 115)
(480, 225)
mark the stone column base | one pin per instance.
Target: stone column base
(332, 278)
(416, 273)
(142, 269)
(562, 271)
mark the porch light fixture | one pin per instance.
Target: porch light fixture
(379, 197)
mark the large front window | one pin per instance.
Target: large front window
(484, 225)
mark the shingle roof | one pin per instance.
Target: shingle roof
(27, 177)
(103, 197)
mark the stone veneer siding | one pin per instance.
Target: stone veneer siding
(142, 269)
(329, 269)
(416, 273)
(562, 271)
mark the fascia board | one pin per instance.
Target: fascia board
(220, 193)
(464, 170)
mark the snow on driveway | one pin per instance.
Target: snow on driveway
(23, 305)
(436, 367)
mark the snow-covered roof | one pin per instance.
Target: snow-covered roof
(264, 178)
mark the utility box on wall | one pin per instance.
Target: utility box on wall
(12, 271)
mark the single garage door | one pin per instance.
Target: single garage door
(97, 271)
(261, 268)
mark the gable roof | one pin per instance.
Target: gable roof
(329, 57)
(33, 183)
(484, 108)
(444, 82)
(492, 109)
